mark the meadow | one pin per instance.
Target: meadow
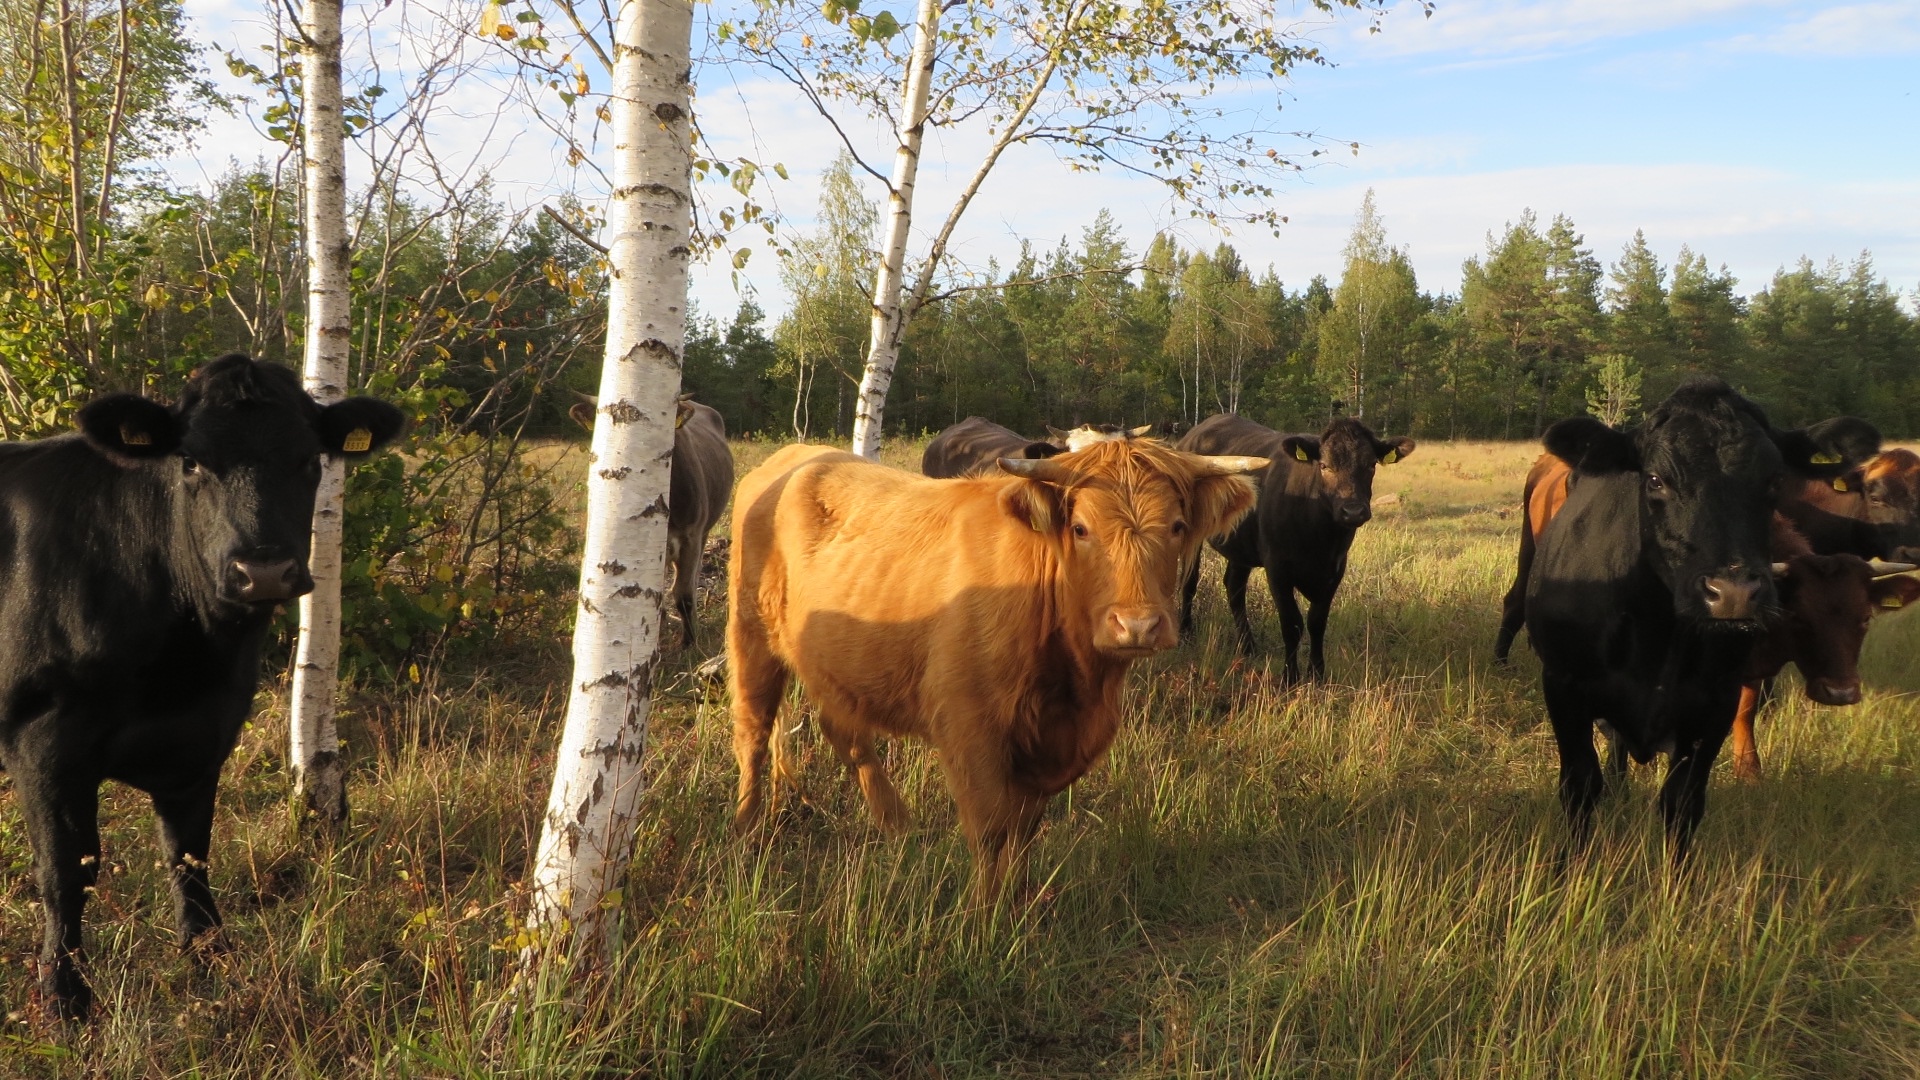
(1364, 878)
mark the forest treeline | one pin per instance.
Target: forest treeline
(1108, 329)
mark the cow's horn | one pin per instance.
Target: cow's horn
(1143, 429)
(1779, 569)
(1044, 469)
(1226, 465)
(1056, 432)
(1881, 568)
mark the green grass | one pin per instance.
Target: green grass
(1364, 879)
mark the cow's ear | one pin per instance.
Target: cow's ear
(1392, 450)
(1591, 446)
(128, 427)
(1893, 593)
(1301, 447)
(1036, 450)
(582, 414)
(1219, 502)
(1829, 448)
(1034, 503)
(358, 425)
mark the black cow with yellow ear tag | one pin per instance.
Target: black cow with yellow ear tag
(1313, 499)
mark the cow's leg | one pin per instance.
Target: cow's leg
(1746, 757)
(1234, 577)
(1581, 781)
(1318, 608)
(1291, 624)
(62, 816)
(1189, 584)
(1617, 756)
(998, 818)
(686, 582)
(1683, 798)
(186, 834)
(757, 680)
(854, 744)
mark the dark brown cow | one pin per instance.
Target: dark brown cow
(1825, 604)
(702, 483)
(1872, 510)
(973, 446)
(994, 616)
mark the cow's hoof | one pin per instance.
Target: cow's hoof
(206, 944)
(68, 998)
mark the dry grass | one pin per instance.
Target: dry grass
(1362, 879)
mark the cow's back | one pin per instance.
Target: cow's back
(972, 446)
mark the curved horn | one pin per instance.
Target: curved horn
(1779, 569)
(1046, 470)
(1143, 429)
(1056, 432)
(1881, 568)
(1227, 465)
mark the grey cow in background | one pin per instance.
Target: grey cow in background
(701, 485)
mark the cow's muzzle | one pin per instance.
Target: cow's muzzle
(1736, 594)
(269, 581)
(1353, 513)
(1834, 691)
(1136, 632)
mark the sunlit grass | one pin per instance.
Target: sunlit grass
(1360, 879)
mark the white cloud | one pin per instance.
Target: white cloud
(1879, 29)
(1483, 28)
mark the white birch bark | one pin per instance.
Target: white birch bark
(314, 743)
(588, 834)
(883, 336)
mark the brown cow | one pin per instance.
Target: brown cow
(701, 484)
(994, 616)
(1825, 604)
(1871, 510)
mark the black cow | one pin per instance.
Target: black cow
(977, 444)
(1313, 498)
(1648, 589)
(140, 563)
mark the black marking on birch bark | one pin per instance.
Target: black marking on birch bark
(679, 252)
(667, 112)
(615, 474)
(612, 568)
(628, 592)
(622, 413)
(587, 606)
(654, 509)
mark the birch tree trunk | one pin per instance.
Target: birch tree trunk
(315, 744)
(588, 834)
(883, 337)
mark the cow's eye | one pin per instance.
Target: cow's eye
(1179, 528)
(1655, 485)
(1079, 531)
(189, 466)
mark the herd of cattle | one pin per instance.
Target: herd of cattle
(991, 607)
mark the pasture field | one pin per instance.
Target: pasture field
(1363, 879)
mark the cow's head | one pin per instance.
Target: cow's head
(1127, 515)
(1891, 483)
(240, 456)
(1345, 456)
(1710, 468)
(1826, 603)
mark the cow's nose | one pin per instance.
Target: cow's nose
(1355, 512)
(1735, 595)
(1834, 691)
(260, 581)
(1139, 631)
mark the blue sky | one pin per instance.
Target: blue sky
(1754, 131)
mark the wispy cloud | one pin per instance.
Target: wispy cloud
(1877, 29)
(1486, 28)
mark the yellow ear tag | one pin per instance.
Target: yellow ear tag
(1299, 453)
(681, 420)
(1892, 602)
(1825, 459)
(1839, 484)
(1392, 456)
(358, 441)
(132, 436)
